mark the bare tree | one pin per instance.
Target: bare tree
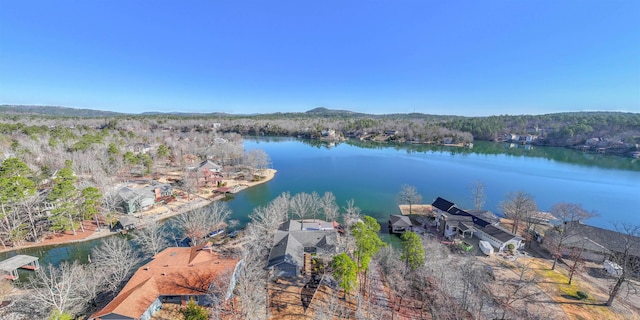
(91, 284)
(117, 259)
(217, 294)
(520, 289)
(409, 194)
(627, 257)
(197, 224)
(564, 212)
(305, 205)
(57, 288)
(330, 207)
(518, 206)
(257, 160)
(251, 287)
(478, 195)
(576, 256)
(264, 223)
(190, 180)
(352, 213)
(152, 238)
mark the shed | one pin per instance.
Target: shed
(399, 223)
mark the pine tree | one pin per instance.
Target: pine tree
(64, 196)
(412, 250)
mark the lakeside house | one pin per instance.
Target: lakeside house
(452, 221)
(399, 223)
(596, 244)
(133, 200)
(296, 240)
(175, 275)
(207, 173)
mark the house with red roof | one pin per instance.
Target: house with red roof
(175, 275)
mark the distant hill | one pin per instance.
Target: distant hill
(56, 111)
(321, 111)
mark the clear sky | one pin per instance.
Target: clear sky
(431, 56)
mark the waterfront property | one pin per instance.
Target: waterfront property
(596, 244)
(141, 197)
(9, 267)
(399, 224)
(175, 275)
(294, 243)
(453, 222)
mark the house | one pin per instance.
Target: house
(210, 166)
(175, 275)
(511, 137)
(452, 221)
(294, 239)
(328, 133)
(528, 138)
(391, 132)
(207, 173)
(139, 199)
(143, 148)
(596, 244)
(127, 223)
(399, 223)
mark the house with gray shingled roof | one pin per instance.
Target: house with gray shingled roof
(296, 238)
(597, 244)
(399, 223)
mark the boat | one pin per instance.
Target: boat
(216, 232)
(485, 247)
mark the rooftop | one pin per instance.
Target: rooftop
(174, 271)
(16, 262)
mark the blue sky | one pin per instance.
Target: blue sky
(438, 57)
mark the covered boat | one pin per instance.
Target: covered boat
(485, 247)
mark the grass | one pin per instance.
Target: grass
(554, 283)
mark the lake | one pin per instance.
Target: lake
(372, 174)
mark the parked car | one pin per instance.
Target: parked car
(465, 246)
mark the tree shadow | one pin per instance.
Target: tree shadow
(599, 273)
(554, 282)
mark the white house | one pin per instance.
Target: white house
(453, 222)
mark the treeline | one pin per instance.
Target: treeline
(558, 129)
(56, 173)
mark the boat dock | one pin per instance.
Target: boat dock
(11, 265)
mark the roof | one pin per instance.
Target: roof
(294, 236)
(442, 204)
(16, 262)
(612, 240)
(208, 164)
(128, 220)
(400, 220)
(476, 219)
(485, 215)
(147, 191)
(174, 271)
(499, 233)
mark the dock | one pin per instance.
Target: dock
(11, 265)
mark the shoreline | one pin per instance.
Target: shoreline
(159, 213)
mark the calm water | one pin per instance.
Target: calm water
(372, 175)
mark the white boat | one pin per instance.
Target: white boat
(485, 247)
